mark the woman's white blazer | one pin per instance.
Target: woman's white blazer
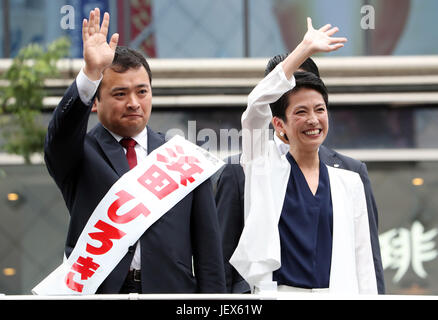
(266, 176)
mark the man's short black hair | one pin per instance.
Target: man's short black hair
(126, 58)
(302, 80)
(309, 65)
(274, 61)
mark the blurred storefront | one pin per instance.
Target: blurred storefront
(383, 110)
(226, 28)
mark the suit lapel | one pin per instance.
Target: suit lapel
(112, 150)
(154, 140)
(329, 157)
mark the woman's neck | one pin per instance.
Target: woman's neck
(308, 162)
(306, 159)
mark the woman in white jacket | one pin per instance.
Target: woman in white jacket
(306, 225)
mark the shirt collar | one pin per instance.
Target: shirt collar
(141, 138)
(282, 147)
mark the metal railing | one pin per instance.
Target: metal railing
(395, 80)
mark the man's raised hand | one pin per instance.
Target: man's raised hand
(98, 53)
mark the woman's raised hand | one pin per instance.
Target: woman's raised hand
(322, 40)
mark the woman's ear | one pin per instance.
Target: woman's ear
(279, 128)
(278, 125)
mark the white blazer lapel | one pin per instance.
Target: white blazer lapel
(258, 252)
(352, 268)
(343, 266)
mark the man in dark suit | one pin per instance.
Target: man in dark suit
(230, 198)
(179, 253)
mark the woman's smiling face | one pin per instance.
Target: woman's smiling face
(306, 123)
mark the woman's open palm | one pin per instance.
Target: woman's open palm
(321, 40)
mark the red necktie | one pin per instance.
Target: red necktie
(129, 144)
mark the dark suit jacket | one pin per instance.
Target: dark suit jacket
(85, 166)
(230, 201)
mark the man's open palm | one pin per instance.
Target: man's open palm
(98, 53)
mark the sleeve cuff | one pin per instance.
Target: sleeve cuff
(283, 77)
(86, 87)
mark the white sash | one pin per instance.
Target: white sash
(138, 199)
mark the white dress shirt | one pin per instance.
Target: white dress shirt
(283, 148)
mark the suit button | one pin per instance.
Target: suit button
(131, 249)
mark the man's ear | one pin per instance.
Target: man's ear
(94, 106)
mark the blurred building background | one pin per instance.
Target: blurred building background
(206, 56)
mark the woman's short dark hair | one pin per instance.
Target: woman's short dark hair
(302, 80)
(126, 58)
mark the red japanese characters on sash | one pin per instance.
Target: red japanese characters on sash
(131, 206)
